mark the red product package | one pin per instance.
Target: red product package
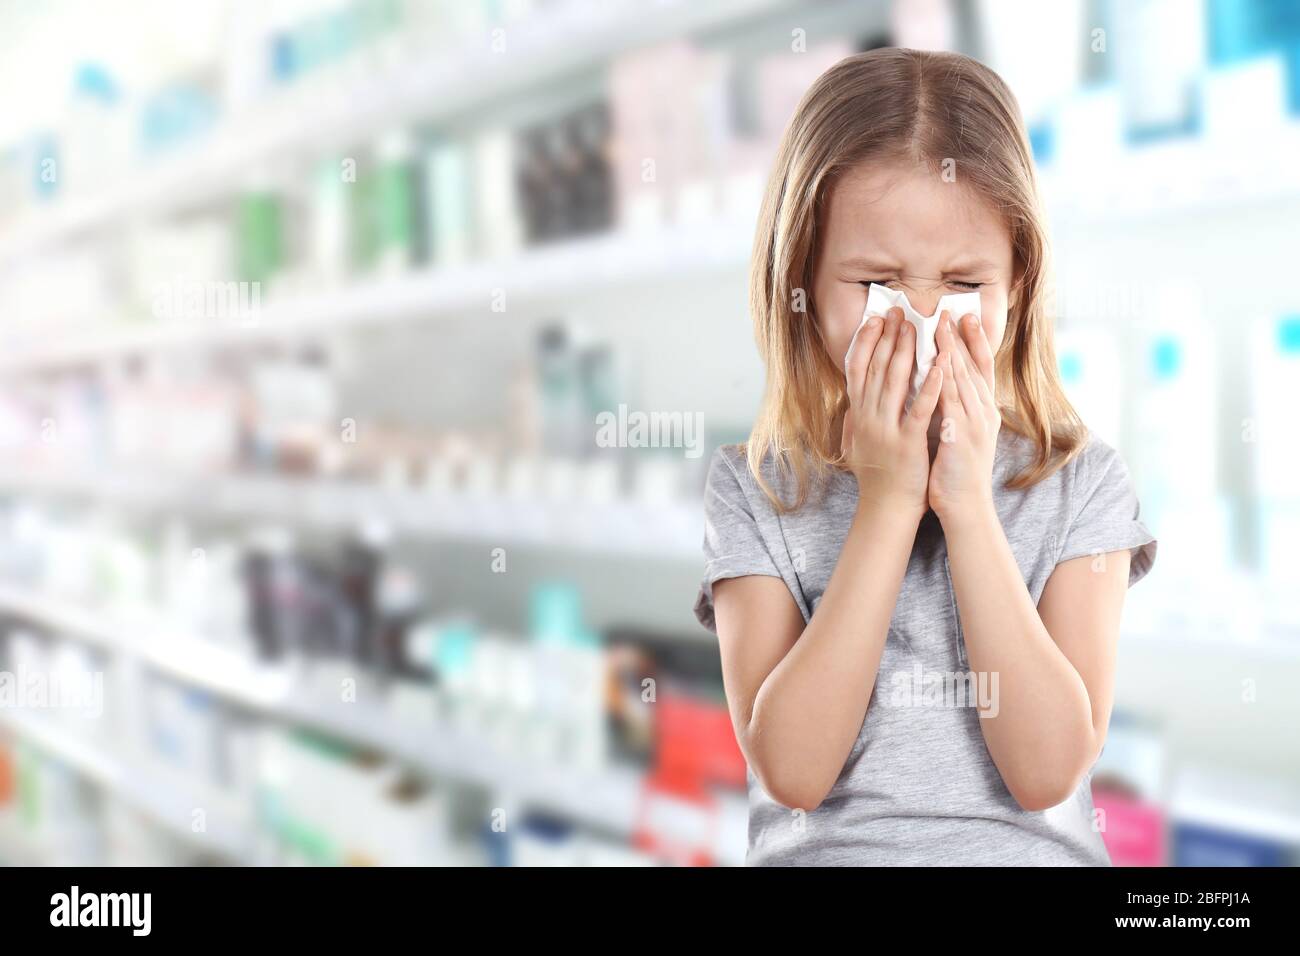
(1132, 829)
(695, 741)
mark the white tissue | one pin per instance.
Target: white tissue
(880, 299)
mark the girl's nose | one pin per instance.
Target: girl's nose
(925, 302)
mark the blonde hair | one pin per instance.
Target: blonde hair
(929, 108)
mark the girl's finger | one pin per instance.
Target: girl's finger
(927, 399)
(880, 358)
(977, 345)
(968, 372)
(970, 399)
(949, 397)
(899, 373)
(981, 371)
(983, 390)
(861, 348)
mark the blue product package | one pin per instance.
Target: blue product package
(1241, 30)
(1199, 845)
(1042, 141)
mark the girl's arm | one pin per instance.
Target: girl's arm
(1054, 662)
(797, 694)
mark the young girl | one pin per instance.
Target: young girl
(917, 603)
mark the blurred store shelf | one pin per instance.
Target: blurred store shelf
(1165, 179)
(569, 38)
(502, 153)
(161, 795)
(659, 254)
(194, 660)
(1174, 639)
(1170, 178)
(17, 847)
(609, 797)
(670, 530)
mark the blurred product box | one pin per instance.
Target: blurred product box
(1202, 846)
(667, 709)
(1127, 793)
(563, 176)
(1226, 818)
(1134, 831)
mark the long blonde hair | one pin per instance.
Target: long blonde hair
(930, 108)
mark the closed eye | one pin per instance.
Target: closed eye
(962, 284)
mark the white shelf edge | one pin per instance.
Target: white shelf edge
(668, 530)
(1267, 824)
(590, 263)
(1279, 648)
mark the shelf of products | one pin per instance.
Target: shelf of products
(164, 798)
(191, 303)
(609, 798)
(649, 255)
(364, 102)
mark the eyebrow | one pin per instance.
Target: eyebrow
(973, 265)
(859, 262)
(886, 265)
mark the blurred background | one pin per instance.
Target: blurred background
(360, 361)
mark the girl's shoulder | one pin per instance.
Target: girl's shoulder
(731, 476)
(731, 480)
(1090, 501)
(729, 457)
(1094, 461)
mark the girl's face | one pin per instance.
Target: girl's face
(905, 227)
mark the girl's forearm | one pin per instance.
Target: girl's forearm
(810, 709)
(1040, 733)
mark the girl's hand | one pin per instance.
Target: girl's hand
(962, 477)
(886, 449)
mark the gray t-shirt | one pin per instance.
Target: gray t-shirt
(919, 787)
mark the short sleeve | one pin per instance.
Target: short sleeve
(733, 542)
(1107, 513)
